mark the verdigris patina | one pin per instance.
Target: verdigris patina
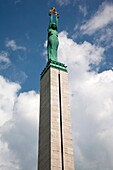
(52, 45)
(53, 42)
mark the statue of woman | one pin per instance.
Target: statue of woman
(53, 42)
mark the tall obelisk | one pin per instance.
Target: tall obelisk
(55, 133)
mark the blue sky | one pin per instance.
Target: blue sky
(26, 22)
(86, 47)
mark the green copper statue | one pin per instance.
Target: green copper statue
(53, 42)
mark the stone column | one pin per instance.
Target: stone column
(55, 136)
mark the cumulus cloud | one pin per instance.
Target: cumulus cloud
(7, 159)
(91, 97)
(12, 45)
(83, 54)
(18, 127)
(101, 19)
(7, 99)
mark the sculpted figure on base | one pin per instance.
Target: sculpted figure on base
(53, 42)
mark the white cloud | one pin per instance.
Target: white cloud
(91, 104)
(17, 1)
(27, 36)
(24, 100)
(8, 96)
(4, 57)
(63, 2)
(83, 54)
(91, 108)
(4, 60)
(7, 158)
(18, 131)
(105, 37)
(83, 9)
(101, 19)
(12, 44)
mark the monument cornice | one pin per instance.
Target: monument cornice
(54, 64)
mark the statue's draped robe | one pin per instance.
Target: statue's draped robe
(53, 42)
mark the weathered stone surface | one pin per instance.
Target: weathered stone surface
(51, 127)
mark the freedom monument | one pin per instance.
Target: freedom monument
(55, 134)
